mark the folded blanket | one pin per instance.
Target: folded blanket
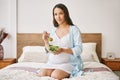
(35, 70)
(30, 69)
(95, 69)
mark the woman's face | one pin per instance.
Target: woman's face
(59, 16)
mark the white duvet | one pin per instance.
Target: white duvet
(9, 73)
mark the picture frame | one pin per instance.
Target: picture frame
(110, 55)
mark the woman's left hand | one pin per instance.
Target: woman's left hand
(58, 51)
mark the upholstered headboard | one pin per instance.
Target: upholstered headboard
(35, 39)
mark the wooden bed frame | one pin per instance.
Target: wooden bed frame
(35, 39)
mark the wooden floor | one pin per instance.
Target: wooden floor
(117, 73)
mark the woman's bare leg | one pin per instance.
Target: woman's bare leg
(45, 72)
(59, 74)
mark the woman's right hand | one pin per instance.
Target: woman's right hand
(45, 37)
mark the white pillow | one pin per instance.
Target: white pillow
(34, 49)
(33, 54)
(89, 52)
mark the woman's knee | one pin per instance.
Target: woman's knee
(45, 72)
(58, 74)
(42, 73)
(55, 75)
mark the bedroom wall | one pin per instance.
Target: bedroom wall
(91, 16)
(8, 22)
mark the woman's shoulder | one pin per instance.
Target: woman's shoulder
(52, 30)
(74, 28)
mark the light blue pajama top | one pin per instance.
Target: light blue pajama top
(76, 46)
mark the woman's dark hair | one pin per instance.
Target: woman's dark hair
(65, 10)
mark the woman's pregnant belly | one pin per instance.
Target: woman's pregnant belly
(58, 59)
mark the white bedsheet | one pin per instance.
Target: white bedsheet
(19, 74)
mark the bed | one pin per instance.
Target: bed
(31, 57)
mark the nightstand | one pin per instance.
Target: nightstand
(113, 64)
(6, 62)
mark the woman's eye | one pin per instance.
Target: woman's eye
(55, 14)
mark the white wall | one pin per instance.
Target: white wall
(8, 22)
(91, 16)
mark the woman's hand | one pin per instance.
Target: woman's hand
(58, 51)
(45, 37)
(66, 50)
(54, 49)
